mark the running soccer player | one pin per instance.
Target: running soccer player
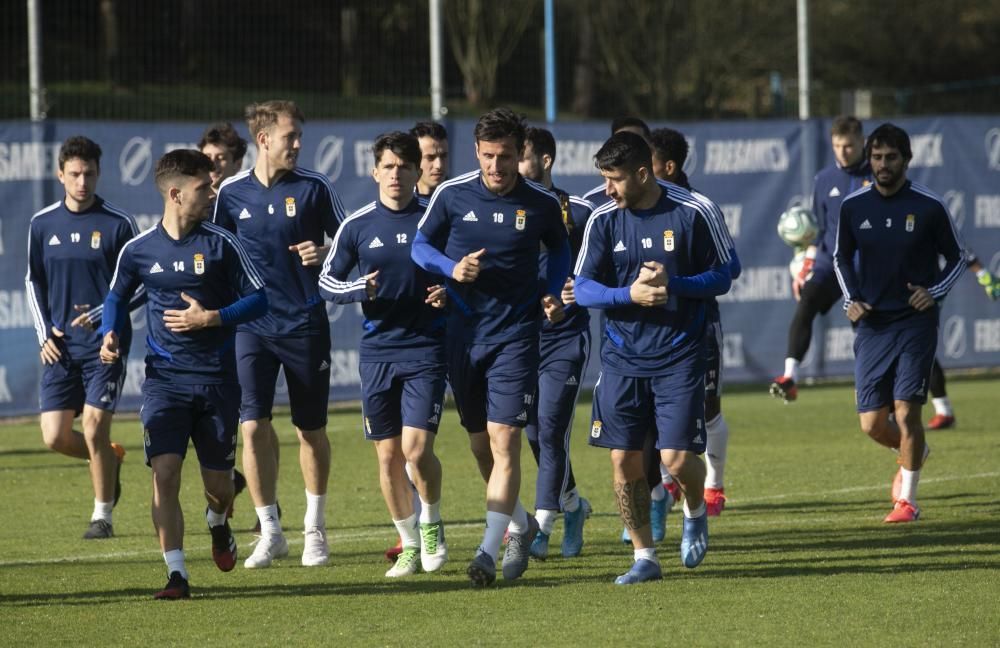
(482, 231)
(200, 283)
(816, 288)
(563, 352)
(625, 123)
(402, 348)
(72, 247)
(651, 259)
(433, 140)
(225, 148)
(670, 150)
(890, 237)
(280, 213)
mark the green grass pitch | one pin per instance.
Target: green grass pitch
(799, 557)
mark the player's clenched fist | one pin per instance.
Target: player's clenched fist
(650, 287)
(553, 308)
(467, 270)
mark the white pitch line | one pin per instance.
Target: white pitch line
(339, 536)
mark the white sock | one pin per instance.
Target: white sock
(315, 513)
(416, 495)
(942, 406)
(792, 369)
(571, 501)
(408, 532)
(665, 476)
(102, 511)
(698, 512)
(908, 489)
(658, 492)
(429, 512)
(496, 524)
(646, 554)
(270, 525)
(215, 519)
(546, 520)
(715, 452)
(518, 519)
(175, 562)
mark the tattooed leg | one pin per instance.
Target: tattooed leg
(633, 503)
(632, 495)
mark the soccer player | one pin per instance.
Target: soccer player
(815, 288)
(200, 283)
(670, 150)
(72, 247)
(889, 239)
(563, 352)
(433, 139)
(651, 259)
(482, 231)
(402, 348)
(623, 123)
(280, 213)
(225, 148)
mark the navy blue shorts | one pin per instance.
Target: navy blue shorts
(69, 384)
(713, 359)
(306, 361)
(560, 374)
(173, 413)
(397, 394)
(493, 382)
(892, 364)
(627, 407)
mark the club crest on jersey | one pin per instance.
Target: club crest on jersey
(911, 221)
(520, 218)
(668, 240)
(95, 240)
(595, 430)
(199, 263)
(289, 207)
(564, 204)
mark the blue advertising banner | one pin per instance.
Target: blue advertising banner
(754, 170)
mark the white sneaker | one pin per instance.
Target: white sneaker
(433, 549)
(407, 564)
(266, 549)
(316, 551)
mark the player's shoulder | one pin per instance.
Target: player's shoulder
(581, 204)
(458, 183)
(538, 190)
(858, 194)
(312, 177)
(360, 215)
(116, 212)
(924, 192)
(140, 240)
(234, 182)
(47, 213)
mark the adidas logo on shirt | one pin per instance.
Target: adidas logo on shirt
(866, 225)
(156, 268)
(377, 243)
(572, 381)
(470, 217)
(54, 240)
(620, 247)
(244, 214)
(323, 366)
(834, 192)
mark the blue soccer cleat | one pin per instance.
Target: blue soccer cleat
(658, 516)
(573, 521)
(694, 540)
(540, 546)
(642, 570)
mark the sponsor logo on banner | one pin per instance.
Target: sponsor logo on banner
(953, 336)
(14, 310)
(986, 335)
(763, 283)
(746, 156)
(136, 160)
(954, 201)
(732, 213)
(5, 395)
(732, 351)
(988, 210)
(28, 160)
(993, 149)
(344, 365)
(576, 157)
(927, 150)
(330, 157)
(839, 343)
(363, 157)
(691, 163)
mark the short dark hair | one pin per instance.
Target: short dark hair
(669, 145)
(81, 147)
(180, 162)
(889, 135)
(624, 150)
(261, 116)
(500, 123)
(845, 126)
(542, 141)
(430, 129)
(626, 121)
(402, 144)
(223, 134)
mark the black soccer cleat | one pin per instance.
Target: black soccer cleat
(177, 588)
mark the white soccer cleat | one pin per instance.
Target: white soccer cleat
(316, 551)
(266, 550)
(407, 564)
(433, 549)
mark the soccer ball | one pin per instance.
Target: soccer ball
(797, 227)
